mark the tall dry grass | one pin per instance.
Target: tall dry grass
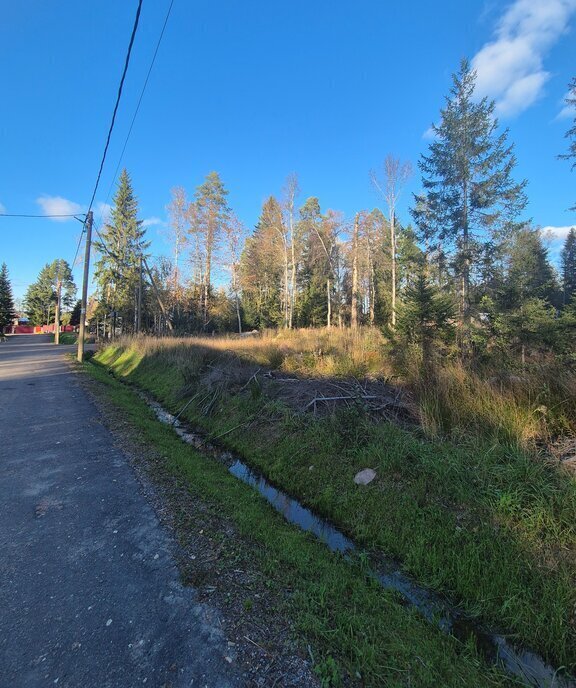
(309, 353)
(522, 408)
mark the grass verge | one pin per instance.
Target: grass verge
(484, 522)
(359, 633)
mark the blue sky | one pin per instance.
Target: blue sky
(257, 90)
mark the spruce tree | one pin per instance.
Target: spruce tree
(568, 266)
(469, 195)
(527, 312)
(319, 257)
(261, 269)
(528, 273)
(425, 316)
(40, 297)
(123, 242)
(7, 312)
(571, 133)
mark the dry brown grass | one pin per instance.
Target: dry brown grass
(308, 353)
(525, 409)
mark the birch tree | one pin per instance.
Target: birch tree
(389, 184)
(177, 212)
(291, 191)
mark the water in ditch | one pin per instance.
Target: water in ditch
(526, 665)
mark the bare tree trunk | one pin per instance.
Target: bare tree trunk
(285, 304)
(466, 334)
(286, 288)
(371, 286)
(293, 277)
(396, 174)
(207, 284)
(329, 303)
(291, 191)
(238, 314)
(354, 312)
(393, 256)
(339, 292)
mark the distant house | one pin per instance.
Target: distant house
(20, 325)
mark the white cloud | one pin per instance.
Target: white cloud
(551, 232)
(150, 221)
(56, 205)
(2, 208)
(103, 210)
(429, 134)
(510, 68)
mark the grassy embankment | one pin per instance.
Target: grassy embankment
(463, 502)
(358, 634)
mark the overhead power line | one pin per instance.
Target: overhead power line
(119, 95)
(139, 101)
(77, 249)
(24, 215)
(160, 37)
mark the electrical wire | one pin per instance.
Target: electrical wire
(160, 37)
(119, 95)
(139, 102)
(23, 215)
(102, 245)
(73, 263)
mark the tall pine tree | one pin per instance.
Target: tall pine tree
(210, 215)
(470, 197)
(568, 266)
(571, 133)
(7, 312)
(122, 243)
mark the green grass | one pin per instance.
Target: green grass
(356, 630)
(68, 338)
(487, 523)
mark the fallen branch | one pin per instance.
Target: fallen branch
(236, 427)
(186, 405)
(252, 377)
(342, 398)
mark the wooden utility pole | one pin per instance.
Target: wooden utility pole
(82, 330)
(57, 315)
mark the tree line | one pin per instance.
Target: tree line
(40, 299)
(466, 267)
